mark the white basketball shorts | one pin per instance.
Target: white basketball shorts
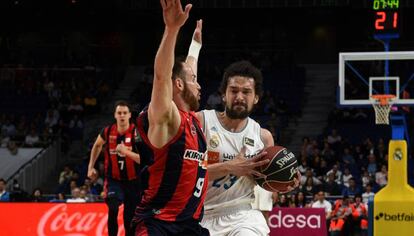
(246, 222)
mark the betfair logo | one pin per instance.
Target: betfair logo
(395, 217)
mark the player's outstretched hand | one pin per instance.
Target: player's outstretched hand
(242, 166)
(197, 36)
(173, 13)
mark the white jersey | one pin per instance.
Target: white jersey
(223, 145)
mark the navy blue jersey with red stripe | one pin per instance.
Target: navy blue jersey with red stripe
(174, 179)
(119, 167)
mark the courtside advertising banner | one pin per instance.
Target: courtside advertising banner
(297, 221)
(47, 219)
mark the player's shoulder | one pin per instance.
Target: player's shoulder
(206, 111)
(266, 137)
(108, 127)
(205, 115)
(265, 132)
(254, 122)
(105, 131)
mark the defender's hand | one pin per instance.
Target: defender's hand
(174, 16)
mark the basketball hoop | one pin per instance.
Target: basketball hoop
(382, 104)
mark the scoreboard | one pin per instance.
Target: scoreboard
(386, 16)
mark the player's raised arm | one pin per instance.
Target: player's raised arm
(161, 106)
(192, 56)
(195, 46)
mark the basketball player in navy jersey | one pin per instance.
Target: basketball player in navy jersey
(121, 173)
(173, 146)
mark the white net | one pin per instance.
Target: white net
(382, 107)
(382, 114)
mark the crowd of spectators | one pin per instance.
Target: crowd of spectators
(49, 84)
(42, 103)
(72, 187)
(345, 168)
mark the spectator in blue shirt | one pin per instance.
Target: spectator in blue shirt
(4, 195)
(352, 190)
(372, 164)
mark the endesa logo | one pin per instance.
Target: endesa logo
(400, 216)
(280, 220)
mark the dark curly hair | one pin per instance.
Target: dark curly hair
(245, 69)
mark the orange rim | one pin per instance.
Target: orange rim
(383, 98)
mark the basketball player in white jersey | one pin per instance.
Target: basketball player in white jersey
(234, 142)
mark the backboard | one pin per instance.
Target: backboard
(363, 74)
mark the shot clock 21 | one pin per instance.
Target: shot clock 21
(386, 16)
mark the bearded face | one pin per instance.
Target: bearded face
(190, 98)
(240, 97)
(237, 110)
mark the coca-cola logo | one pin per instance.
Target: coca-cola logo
(67, 221)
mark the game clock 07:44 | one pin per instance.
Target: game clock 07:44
(385, 4)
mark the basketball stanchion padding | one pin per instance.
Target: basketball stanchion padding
(281, 170)
(394, 204)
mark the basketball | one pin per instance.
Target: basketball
(280, 172)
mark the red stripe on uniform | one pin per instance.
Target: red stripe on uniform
(188, 175)
(141, 229)
(155, 179)
(160, 158)
(130, 164)
(105, 187)
(114, 159)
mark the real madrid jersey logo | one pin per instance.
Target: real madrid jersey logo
(214, 141)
